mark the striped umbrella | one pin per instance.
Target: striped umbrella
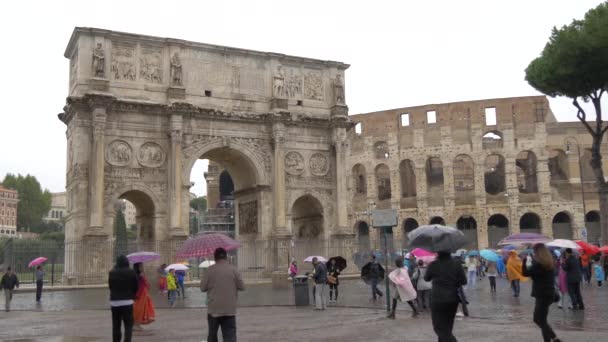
(205, 245)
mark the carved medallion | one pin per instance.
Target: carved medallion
(119, 153)
(318, 164)
(294, 163)
(151, 155)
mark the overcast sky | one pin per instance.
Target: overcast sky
(402, 53)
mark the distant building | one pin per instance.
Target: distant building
(8, 211)
(58, 208)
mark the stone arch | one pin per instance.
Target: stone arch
(559, 179)
(408, 183)
(359, 179)
(434, 181)
(408, 225)
(437, 220)
(464, 180)
(468, 226)
(150, 214)
(494, 174)
(362, 231)
(383, 185)
(307, 218)
(381, 150)
(525, 163)
(491, 140)
(530, 223)
(498, 229)
(592, 222)
(562, 226)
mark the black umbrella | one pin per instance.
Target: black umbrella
(437, 238)
(340, 262)
(367, 270)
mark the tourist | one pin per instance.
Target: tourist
(171, 287)
(143, 308)
(500, 266)
(572, 266)
(39, 283)
(222, 283)
(540, 268)
(320, 278)
(423, 287)
(585, 269)
(8, 283)
(374, 276)
(333, 281)
(412, 265)
(599, 273)
(402, 288)
(605, 263)
(471, 264)
(162, 278)
(181, 289)
(447, 276)
(123, 285)
(562, 281)
(293, 269)
(514, 274)
(492, 273)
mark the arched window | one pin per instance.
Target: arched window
(526, 172)
(530, 223)
(358, 173)
(494, 175)
(383, 182)
(492, 139)
(562, 226)
(381, 150)
(464, 180)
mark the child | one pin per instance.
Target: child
(171, 286)
(599, 273)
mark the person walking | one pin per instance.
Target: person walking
(500, 266)
(172, 287)
(412, 264)
(540, 267)
(39, 283)
(562, 281)
(162, 278)
(402, 288)
(514, 273)
(447, 276)
(423, 287)
(332, 279)
(492, 273)
(320, 278)
(572, 266)
(293, 269)
(123, 285)
(374, 274)
(143, 308)
(585, 269)
(222, 284)
(471, 264)
(8, 283)
(181, 289)
(599, 272)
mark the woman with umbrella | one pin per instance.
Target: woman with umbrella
(335, 265)
(143, 308)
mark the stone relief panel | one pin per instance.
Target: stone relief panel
(123, 62)
(119, 153)
(248, 217)
(151, 65)
(313, 85)
(259, 147)
(318, 164)
(151, 154)
(294, 163)
(293, 83)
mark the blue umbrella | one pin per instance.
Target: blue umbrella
(473, 253)
(489, 255)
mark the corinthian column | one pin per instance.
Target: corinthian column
(175, 176)
(278, 186)
(340, 144)
(96, 175)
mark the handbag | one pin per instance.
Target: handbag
(332, 280)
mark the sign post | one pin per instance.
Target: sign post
(385, 219)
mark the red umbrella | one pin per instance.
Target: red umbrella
(588, 248)
(204, 245)
(604, 249)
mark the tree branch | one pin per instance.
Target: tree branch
(582, 116)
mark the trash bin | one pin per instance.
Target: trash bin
(300, 289)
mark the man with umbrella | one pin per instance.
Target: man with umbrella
(372, 273)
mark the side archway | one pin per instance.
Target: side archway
(467, 225)
(408, 225)
(498, 229)
(592, 222)
(562, 226)
(530, 223)
(437, 220)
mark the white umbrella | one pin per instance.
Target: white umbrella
(563, 243)
(176, 267)
(320, 258)
(206, 264)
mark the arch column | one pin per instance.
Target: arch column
(278, 186)
(175, 177)
(340, 144)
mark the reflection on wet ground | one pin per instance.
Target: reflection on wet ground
(58, 339)
(352, 293)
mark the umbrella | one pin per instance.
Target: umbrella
(419, 252)
(437, 238)
(524, 239)
(143, 257)
(427, 259)
(489, 255)
(177, 267)
(37, 261)
(340, 262)
(526, 252)
(563, 243)
(509, 248)
(206, 264)
(205, 245)
(588, 248)
(320, 258)
(366, 272)
(604, 249)
(473, 253)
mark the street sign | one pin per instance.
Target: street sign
(384, 218)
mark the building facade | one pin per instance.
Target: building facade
(489, 167)
(9, 200)
(58, 208)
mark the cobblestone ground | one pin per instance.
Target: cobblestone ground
(267, 315)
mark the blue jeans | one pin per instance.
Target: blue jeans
(515, 286)
(375, 290)
(172, 295)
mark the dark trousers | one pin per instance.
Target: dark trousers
(120, 315)
(587, 274)
(541, 311)
(515, 286)
(228, 325)
(574, 290)
(492, 283)
(375, 290)
(39, 289)
(424, 298)
(333, 288)
(443, 315)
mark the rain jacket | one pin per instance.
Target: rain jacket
(402, 284)
(599, 272)
(171, 283)
(514, 267)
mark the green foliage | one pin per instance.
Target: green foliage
(34, 203)
(47, 227)
(574, 63)
(58, 237)
(199, 203)
(120, 232)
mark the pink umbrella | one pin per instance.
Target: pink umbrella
(427, 259)
(143, 257)
(204, 245)
(419, 252)
(37, 261)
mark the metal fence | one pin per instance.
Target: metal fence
(87, 262)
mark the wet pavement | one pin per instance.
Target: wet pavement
(492, 316)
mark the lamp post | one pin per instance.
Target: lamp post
(580, 172)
